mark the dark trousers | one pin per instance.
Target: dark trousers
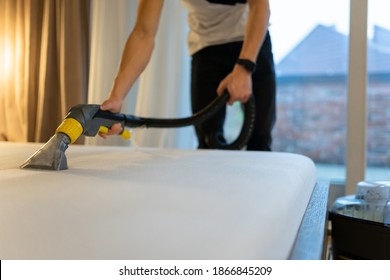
(210, 66)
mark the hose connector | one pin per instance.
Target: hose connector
(72, 128)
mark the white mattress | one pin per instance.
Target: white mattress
(128, 203)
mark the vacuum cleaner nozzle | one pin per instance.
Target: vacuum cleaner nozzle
(51, 156)
(86, 119)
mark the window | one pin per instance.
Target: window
(311, 56)
(378, 92)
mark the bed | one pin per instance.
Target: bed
(161, 204)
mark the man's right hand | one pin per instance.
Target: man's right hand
(113, 105)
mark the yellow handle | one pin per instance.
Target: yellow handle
(125, 135)
(103, 129)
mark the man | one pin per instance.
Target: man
(231, 50)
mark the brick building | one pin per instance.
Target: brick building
(312, 97)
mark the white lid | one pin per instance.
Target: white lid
(374, 191)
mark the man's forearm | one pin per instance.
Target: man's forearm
(139, 47)
(135, 57)
(256, 28)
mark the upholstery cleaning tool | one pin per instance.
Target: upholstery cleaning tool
(88, 120)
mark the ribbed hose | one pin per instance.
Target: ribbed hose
(197, 118)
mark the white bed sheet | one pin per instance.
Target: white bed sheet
(129, 203)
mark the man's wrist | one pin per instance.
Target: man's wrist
(247, 64)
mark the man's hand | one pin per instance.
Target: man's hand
(239, 85)
(113, 105)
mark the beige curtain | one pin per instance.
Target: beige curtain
(44, 51)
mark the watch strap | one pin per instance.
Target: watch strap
(248, 65)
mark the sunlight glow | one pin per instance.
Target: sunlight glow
(5, 61)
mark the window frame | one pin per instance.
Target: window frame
(357, 95)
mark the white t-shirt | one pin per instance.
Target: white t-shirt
(213, 24)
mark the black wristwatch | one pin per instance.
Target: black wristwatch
(248, 65)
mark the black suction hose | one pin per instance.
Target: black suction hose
(197, 118)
